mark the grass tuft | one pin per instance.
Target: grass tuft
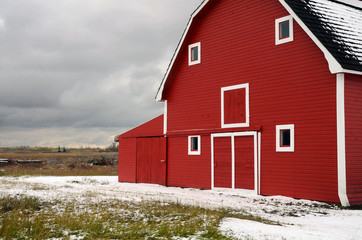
(19, 202)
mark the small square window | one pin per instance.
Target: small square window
(285, 138)
(194, 53)
(284, 30)
(194, 147)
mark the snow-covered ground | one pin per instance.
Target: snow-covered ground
(299, 219)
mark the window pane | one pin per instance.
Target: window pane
(284, 29)
(194, 53)
(285, 137)
(194, 144)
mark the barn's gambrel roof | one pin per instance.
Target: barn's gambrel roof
(337, 25)
(334, 25)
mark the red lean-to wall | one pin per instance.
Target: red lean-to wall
(151, 160)
(289, 84)
(353, 121)
(127, 160)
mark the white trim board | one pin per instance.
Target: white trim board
(256, 158)
(341, 142)
(259, 160)
(165, 118)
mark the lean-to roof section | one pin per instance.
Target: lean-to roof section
(162, 85)
(335, 26)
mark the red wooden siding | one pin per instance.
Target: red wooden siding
(353, 121)
(234, 106)
(127, 160)
(185, 170)
(151, 160)
(244, 162)
(288, 84)
(222, 162)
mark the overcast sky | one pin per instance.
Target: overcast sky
(79, 72)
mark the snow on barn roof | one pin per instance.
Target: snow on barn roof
(337, 24)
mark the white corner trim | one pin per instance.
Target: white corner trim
(341, 142)
(256, 164)
(212, 162)
(277, 138)
(259, 161)
(193, 62)
(334, 66)
(163, 82)
(247, 114)
(193, 152)
(233, 162)
(277, 30)
(165, 118)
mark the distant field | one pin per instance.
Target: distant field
(33, 163)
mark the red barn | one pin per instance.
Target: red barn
(263, 96)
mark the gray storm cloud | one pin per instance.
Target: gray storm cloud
(84, 65)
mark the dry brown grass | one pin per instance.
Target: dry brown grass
(60, 164)
(58, 170)
(58, 157)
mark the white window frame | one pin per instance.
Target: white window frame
(247, 115)
(280, 148)
(198, 45)
(278, 40)
(193, 152)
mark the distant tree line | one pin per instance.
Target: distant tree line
(59, 150)
(112, 148)
(21, 149)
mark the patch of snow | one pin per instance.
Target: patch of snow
(298, 219)
(337, 225)
(244, 229)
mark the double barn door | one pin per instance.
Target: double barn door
(235, 161)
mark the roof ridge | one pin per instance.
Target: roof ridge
(350, 3)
